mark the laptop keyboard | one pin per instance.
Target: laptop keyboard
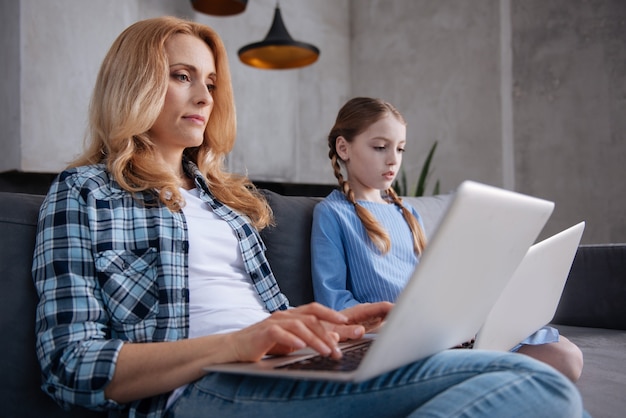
(466, 345)
(350, 360)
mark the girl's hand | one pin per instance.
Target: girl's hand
(362, 319)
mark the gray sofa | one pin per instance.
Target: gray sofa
(592, 311)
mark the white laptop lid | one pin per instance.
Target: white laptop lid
(530, 299)
(480, 241)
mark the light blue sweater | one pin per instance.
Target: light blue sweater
(347, 268)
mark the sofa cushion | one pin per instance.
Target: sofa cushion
(603, 382)
(431, 209)
(289, 245)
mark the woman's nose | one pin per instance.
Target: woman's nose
(203, 95)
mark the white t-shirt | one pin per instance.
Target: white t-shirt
(222, 297)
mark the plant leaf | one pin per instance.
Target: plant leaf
(423, 178)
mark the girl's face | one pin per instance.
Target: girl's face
(373, 158)
(188, 101)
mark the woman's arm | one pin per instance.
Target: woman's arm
(149, 369)
(73, 345)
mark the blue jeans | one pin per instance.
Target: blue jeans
(454, 383)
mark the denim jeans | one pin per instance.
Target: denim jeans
(454, 383)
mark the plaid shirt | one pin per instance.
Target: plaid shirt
(111, 267)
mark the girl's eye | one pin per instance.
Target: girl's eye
(400, 149)
(379, 148)
(211, 88)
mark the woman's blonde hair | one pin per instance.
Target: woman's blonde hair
(127, 99)
(353, 118)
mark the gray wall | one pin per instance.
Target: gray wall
(10, 84)
(529, 95)
(525, 94)
(570, 110)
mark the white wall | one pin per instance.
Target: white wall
(283, 115)
(63, 43)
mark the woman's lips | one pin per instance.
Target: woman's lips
(198, 119)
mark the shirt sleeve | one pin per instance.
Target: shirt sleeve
(328, 261)
(73, 343)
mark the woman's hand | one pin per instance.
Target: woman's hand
(311, 325)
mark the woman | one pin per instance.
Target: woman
(149, 266)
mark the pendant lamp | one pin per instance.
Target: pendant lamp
(278, 50)
(219, 7)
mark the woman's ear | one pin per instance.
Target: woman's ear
(342, 147)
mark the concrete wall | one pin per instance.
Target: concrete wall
(438, 63)
(570, 110)
(525, 94)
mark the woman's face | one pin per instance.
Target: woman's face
(373, 158)
(188, 102)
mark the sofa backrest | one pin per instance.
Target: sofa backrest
(288, 242)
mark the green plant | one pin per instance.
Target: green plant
(401, 187)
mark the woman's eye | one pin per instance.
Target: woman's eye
(379, 148)
(181, 77)
(211, 88)
(400, 149)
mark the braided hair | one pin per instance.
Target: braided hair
(353, 118)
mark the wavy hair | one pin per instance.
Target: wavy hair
(353, 118)
(128, 97)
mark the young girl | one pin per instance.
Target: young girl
(354, 260)
(366, 242)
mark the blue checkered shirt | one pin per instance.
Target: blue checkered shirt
(111, 267)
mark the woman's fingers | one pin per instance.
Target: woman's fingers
(311, 325)
(307, 326)
(287, 331)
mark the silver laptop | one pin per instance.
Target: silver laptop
(476, 248)
(530, 299)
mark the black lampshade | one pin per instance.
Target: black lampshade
(219, 7)
(278, 50)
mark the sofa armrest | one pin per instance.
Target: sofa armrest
(20, 393)
(595, 292)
